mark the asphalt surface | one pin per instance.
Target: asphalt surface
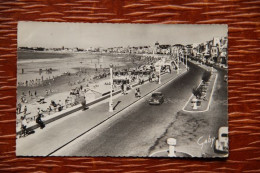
(218, 114)
(196, 132)
(135, 130)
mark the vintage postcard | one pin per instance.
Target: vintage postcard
(122, 90)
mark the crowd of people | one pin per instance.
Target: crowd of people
(123, 81)
(52, 108)
(37, 82)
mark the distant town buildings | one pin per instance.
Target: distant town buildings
(212, 51)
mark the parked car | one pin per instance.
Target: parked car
(221, 143)
(156, 99)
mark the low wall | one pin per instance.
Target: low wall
(67, 112)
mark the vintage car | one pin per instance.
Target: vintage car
(157, 98)
(221, 143)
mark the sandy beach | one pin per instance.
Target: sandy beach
(69, 71)
(61, 63)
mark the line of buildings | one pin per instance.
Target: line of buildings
(213, 51)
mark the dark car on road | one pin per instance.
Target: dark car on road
(156, 99)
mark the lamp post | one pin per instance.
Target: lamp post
(111, 89)
(178, 55)
(185, 53)
(183, 57)
(159, 82)
(158, 69)
(186, 61)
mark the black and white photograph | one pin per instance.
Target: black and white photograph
(122, 90)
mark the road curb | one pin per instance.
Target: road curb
(209, 102)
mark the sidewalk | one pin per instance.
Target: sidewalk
(63, 131)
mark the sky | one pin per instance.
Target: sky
(85, 35)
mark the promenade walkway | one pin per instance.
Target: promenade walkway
(61, 132)
(93, 92)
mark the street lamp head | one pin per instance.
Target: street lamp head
(111, 65)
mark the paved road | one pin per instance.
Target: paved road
(218, 114)
(135, 130)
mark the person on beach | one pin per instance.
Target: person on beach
(19, 108)
(67, 102)
(23, 127)
(139, 81)
(49, 109)
(35, 93)
(60, 106)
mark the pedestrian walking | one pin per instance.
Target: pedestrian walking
(139, 92)
(84, 103)
(136, 92)
(122, 88)
(35, 93)
(25, 110)
(39, 119)
(125, 89)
